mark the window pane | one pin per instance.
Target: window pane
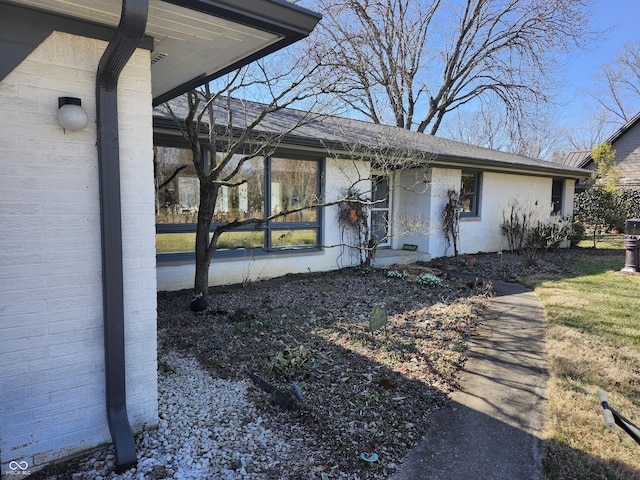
(245, 200)
(177, 188)
(380, 194)
(294, 238)
(469, 193)
(294, 184)
(185, 242)
(175, 242)
(241, 239)
(557, 191)
(380, 224)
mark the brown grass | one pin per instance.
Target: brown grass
(593, 342)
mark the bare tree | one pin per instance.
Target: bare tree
(226, 136)
(617, 89)
(485, 127)
(590, 132)
(231, 138)
(535, 135)
(410, 62)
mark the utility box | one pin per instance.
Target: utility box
(632, 226)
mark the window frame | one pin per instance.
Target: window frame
(476, 203)
(268, 228)
(387, 209)
(557, 199)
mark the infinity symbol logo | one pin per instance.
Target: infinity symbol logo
(13, 465)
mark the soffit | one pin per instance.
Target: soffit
(188, 44)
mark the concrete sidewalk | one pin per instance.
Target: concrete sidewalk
(492, 429)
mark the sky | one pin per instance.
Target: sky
(623, 16)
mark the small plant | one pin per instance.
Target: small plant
(252, 327)
(366, 399)
(289, 361)
(429, 280)
(396, 274)
(473, 262)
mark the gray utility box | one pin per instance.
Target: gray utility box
(632, 227)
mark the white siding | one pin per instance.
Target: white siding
(51, 334)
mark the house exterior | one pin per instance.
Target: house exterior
(406, 174)
(626, 143)
(77, 242)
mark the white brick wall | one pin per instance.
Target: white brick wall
(51, 333)
(482, 234)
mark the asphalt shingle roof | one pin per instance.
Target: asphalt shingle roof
(335, 133)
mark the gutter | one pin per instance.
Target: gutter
(123, 43)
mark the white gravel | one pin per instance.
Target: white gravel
(207, 429)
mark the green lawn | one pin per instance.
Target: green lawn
(593, 342)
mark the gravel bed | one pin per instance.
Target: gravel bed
(208, 429)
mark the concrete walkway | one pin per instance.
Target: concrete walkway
(492, 429)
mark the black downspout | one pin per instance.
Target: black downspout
(123, 43)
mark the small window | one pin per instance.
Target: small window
(470, 194)
(557, 196)
(380, 209)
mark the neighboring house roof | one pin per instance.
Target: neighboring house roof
(626, 142)
(193, 41)
(577, 158)
(329, 133)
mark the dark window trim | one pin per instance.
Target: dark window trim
(267, 227)
(475, 210)
(560, 210)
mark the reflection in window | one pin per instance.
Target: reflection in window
(245, 200)
(177, 188)
(294, 184)
(294, 238)
(380, 209)
(470, 194)
(269, 186)
(557, 195)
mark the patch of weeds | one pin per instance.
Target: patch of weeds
(253, 327)
(396, 274)
(289, 361)
(429, 280)
(366, 399)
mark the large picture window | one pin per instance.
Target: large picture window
(271, 186)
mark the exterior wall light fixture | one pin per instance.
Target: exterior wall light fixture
(71, 115)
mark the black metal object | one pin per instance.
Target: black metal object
(632, 226)
(612, 417)
(632, 245)
(123, 43)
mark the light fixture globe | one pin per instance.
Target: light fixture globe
(71, 115)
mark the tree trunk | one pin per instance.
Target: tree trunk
(208, 196)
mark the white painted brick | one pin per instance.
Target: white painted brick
(50, 280)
